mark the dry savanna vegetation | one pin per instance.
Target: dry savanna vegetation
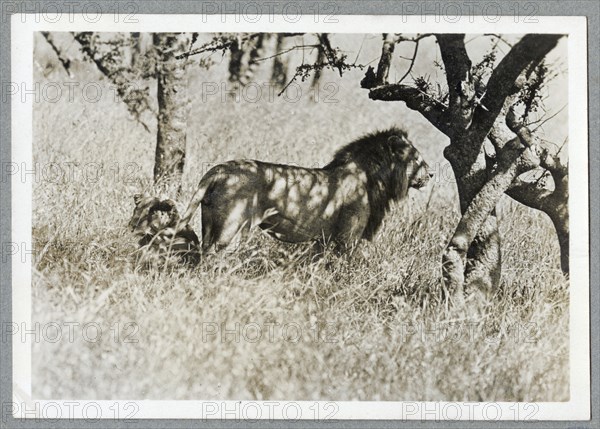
(268, 322)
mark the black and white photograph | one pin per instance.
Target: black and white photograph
(317, 216)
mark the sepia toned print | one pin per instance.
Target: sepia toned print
(302, 216)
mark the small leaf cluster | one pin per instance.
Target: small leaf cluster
(530, 96)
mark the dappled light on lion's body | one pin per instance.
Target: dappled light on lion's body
(344, 201)
(290, 203)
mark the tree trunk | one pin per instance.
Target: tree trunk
(255, 53)
(479, 261)
(321, 58)
(280, 65)
(173, 108)
(561, 224)
(513, 157)
(235, 62)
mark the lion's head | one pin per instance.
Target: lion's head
(151, 215)
(392, 166)
(156, 222)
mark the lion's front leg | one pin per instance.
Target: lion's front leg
(350, 227)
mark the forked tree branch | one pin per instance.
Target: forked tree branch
(536, 195)
(519, 128)
(412, 61)
(555, 203)
(553, 164)
(513, 160)
(385, 61)
(530, 50)
(330, 53)
(531, 194)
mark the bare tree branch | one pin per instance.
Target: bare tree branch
(136, 99)
(500, 38)
(541, 121)
(383, 68)
(285, 51)
(385, 60)
(62, 57)
(221, 45)
(415, 99)
(330, 53)
(84, 39)
(412, 62)
(334, 58)
(458, 67)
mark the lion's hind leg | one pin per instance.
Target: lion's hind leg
(224, 228)
(207, 230)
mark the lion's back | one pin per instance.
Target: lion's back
(233, 175)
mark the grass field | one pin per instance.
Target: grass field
(265, 322)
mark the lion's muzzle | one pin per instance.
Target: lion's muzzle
(419, 174)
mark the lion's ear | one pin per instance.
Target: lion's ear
(137, 198)
(405, 152)
(400, 146)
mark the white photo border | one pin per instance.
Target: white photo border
(577, 408)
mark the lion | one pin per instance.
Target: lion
(155, 221)
(343, 202)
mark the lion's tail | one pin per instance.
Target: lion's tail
(203, 186)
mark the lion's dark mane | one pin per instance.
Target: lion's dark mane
(384, 157)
